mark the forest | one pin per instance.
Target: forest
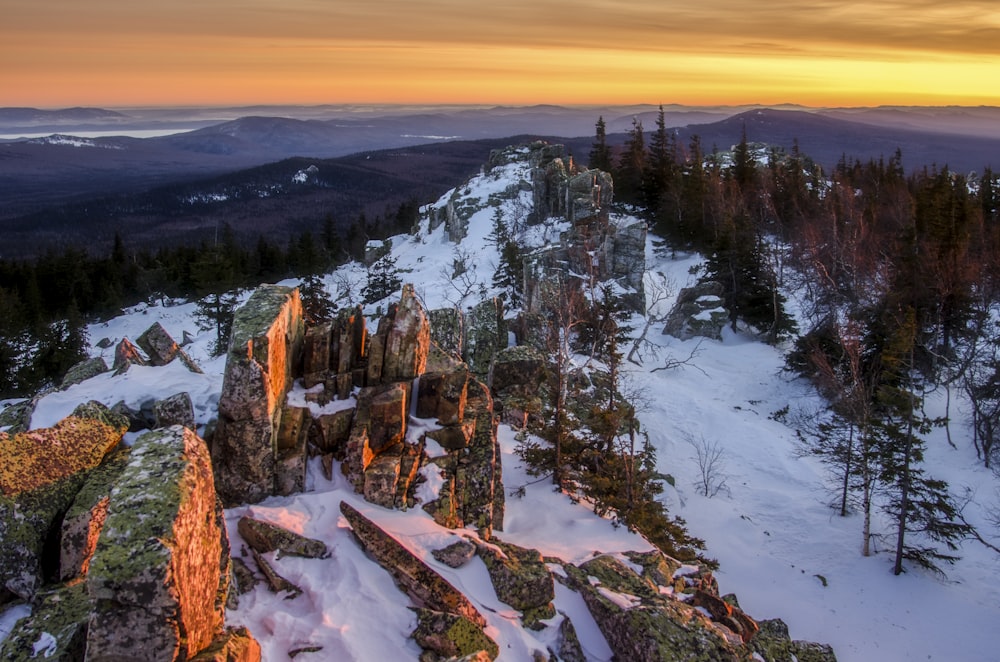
(895, 277)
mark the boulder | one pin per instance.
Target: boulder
(158, 345)
(456, 554)
(451, 636)
(773, 644)
(641, 624)
(158, 578)
(137, 419)
(16, 417)
(265, 537)
(126, 356)
(56, 631)
(415, 577)
(388, 411)
(381, 483)
(175, 410)
(266, 344)
(40, 475)
(83, 371)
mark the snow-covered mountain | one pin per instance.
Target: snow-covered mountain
(781, 549)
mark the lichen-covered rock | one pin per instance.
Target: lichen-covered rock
(232, 645)
(175, 410)
(415, 577)
(17, 416)
(381, 483)
(157, 579)
(330, 432)
(399, 349)
(486, 334)
(82, 523)
(55, 631)
(291, 447)
(275, 582)
(158, 345)
(447, 330)
(641, 624)
(773, 643)
(266, 344)
(698, 312)
(266, 537)
(568, 645)
(316, 354)
(40, 475)
(451, 636)
(442, 395)
(388, 411)
(456, 554)
(520, 577)
(83, 371)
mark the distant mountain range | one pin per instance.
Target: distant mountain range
(56, 185)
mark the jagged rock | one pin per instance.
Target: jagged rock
(415, 577)
(480, 474)
(698, 312)
(456, 554)
(275, 582)
(515, 377)
(40, 475)
(82, 523)
(330, 432)
(232, 645)
(454, 437)
(375, 250)
(348, 344)
(83, 371)
(520, 577)
(265, 537)
(399, 348)
(266, 344)
(186, 338)
(387, 416)
(291, 441)
(158, 345)
(442, 395)
(104, 343)
(773, 644)
(641, 624)
(486, 334)
(137, 420)
(657, 567)
(158, 578)
(316, 354)
(175, 410)
(447, 330)
(55, 631)
(126, 355)
(243, 579)
(451, 636)
(382, 480)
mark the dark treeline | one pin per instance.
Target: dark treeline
(900, 276)
(45, 302)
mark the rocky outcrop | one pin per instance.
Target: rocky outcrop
(451, 636)
(399, 348)
(158, 578)
(698, 312)
(486, 334)
(56, 630)
(162, 349)
(233, 645)
(773, 644)
(174, 410)
(642, 624)
(126, 356)
(266, 344)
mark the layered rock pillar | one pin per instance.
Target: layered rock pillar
(264, 351)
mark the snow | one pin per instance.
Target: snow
(781, 549)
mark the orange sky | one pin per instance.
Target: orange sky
(56, 53)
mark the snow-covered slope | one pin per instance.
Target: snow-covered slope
(781, 549)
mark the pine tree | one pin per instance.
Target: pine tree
(383, 280)
(600, 153)
(632, 166)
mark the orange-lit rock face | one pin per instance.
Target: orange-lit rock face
(266, 345)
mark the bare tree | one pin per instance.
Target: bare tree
(711, 459)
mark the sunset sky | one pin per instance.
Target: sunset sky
(57, 53)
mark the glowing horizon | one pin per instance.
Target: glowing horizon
(819, 53)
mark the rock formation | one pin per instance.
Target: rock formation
(266, 344)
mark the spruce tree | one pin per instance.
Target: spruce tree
(600, 153)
